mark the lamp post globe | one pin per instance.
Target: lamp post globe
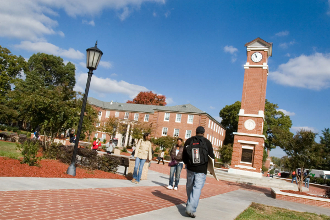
(94, 55)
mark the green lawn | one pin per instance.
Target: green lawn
(259, 211)
(8, 149)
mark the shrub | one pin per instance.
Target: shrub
(265, 169)
(15, 129)
(9, 128)
(51, 150)
(167, 157)
(94, 138)
(157, 149)
(65, 154)
(29, 150)
(104, 141)
(320, 181)
(129, 147)
(108, 163)
(124, 149)
(312, 179)
(327, 181)
(272, 171)
(2, 127)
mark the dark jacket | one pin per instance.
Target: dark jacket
(179, 156)
(202, 168)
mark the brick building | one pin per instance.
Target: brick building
(179, 120)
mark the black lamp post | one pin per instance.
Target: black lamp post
(94, 55)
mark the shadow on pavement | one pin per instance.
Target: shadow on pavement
(159, 183)
(178, 202)
(265, 191)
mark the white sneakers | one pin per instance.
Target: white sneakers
(170, 187)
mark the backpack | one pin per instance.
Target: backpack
(197, 152)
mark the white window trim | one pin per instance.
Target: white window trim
(176, 117)
(192, 119)
(163, 131)
(106, 114)
(168, 116)
(126, 113)
(136, 114)
(187, 133)
(116, 114)
(145, 117)
(209, 123)
(178, 132)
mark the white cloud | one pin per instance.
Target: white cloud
(211, 107)
(105, 64)
(287, 55)
(311, 72)
(154, 14)
(105, 86)
(168, 13)
(45, 47)
(287, 112)
(232, 50)
(282, 33)
(306, 128)
(61, 33)
(92, 23)
(286, 45)
(114, 74)
(169, 100)
(34, 19)
(219, 119)
(82, 64)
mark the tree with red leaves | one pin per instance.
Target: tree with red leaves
(149, 98)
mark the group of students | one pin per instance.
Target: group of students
(196, 160)
(110, 146)
(306, 178)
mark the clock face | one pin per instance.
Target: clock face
(249, 124)
(256, 57)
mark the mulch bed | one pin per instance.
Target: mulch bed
(49, 168)
(302, 193)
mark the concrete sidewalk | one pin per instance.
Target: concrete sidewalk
(63, 198)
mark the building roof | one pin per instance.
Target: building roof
(258, 42)
(186, 108)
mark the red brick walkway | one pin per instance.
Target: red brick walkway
(109, 203)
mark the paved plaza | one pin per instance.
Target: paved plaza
(68, 198)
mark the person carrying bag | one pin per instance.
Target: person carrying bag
(176, 164)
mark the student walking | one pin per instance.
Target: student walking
(143, 152)
(161, 157)
(176, 164)
(195, 156)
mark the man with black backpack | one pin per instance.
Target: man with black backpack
(195, 156)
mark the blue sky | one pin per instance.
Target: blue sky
(190, 51)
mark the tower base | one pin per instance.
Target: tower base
(244, 172)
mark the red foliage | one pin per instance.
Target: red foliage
(49, 168)
(149, 98)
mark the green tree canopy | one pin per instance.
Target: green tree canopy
(229, 115)
(226, 152)
(11, 68)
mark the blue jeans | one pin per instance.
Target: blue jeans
(307, 182)
(177, 170)
(138, 166)
(195, 183)
(294, 179)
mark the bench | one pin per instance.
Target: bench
(124, 161)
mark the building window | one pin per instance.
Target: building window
(167, 117)
(146, 117)
(97, 124)
(126, 115)
(209, 123)
(176, 132)
(164, 133)
(100, 113)
(207, 136)
(188, 134)
(117, 114)
(96, 135)
(107, 114)
(190, 119)
(104, 136)
(178, 118)
(136, 116)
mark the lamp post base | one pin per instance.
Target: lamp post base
(71, 170)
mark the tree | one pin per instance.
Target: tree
(11, 68)
(167, 142)
(140, 128)
(325, 141)
(226, 152)
(149, 98)
(229, 115)
(302, 150)
(46, 98)
(110, 126)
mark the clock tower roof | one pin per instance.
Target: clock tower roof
(260, 44)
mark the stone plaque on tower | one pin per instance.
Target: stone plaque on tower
(248, 145)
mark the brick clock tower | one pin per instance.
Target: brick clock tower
(249, 139)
